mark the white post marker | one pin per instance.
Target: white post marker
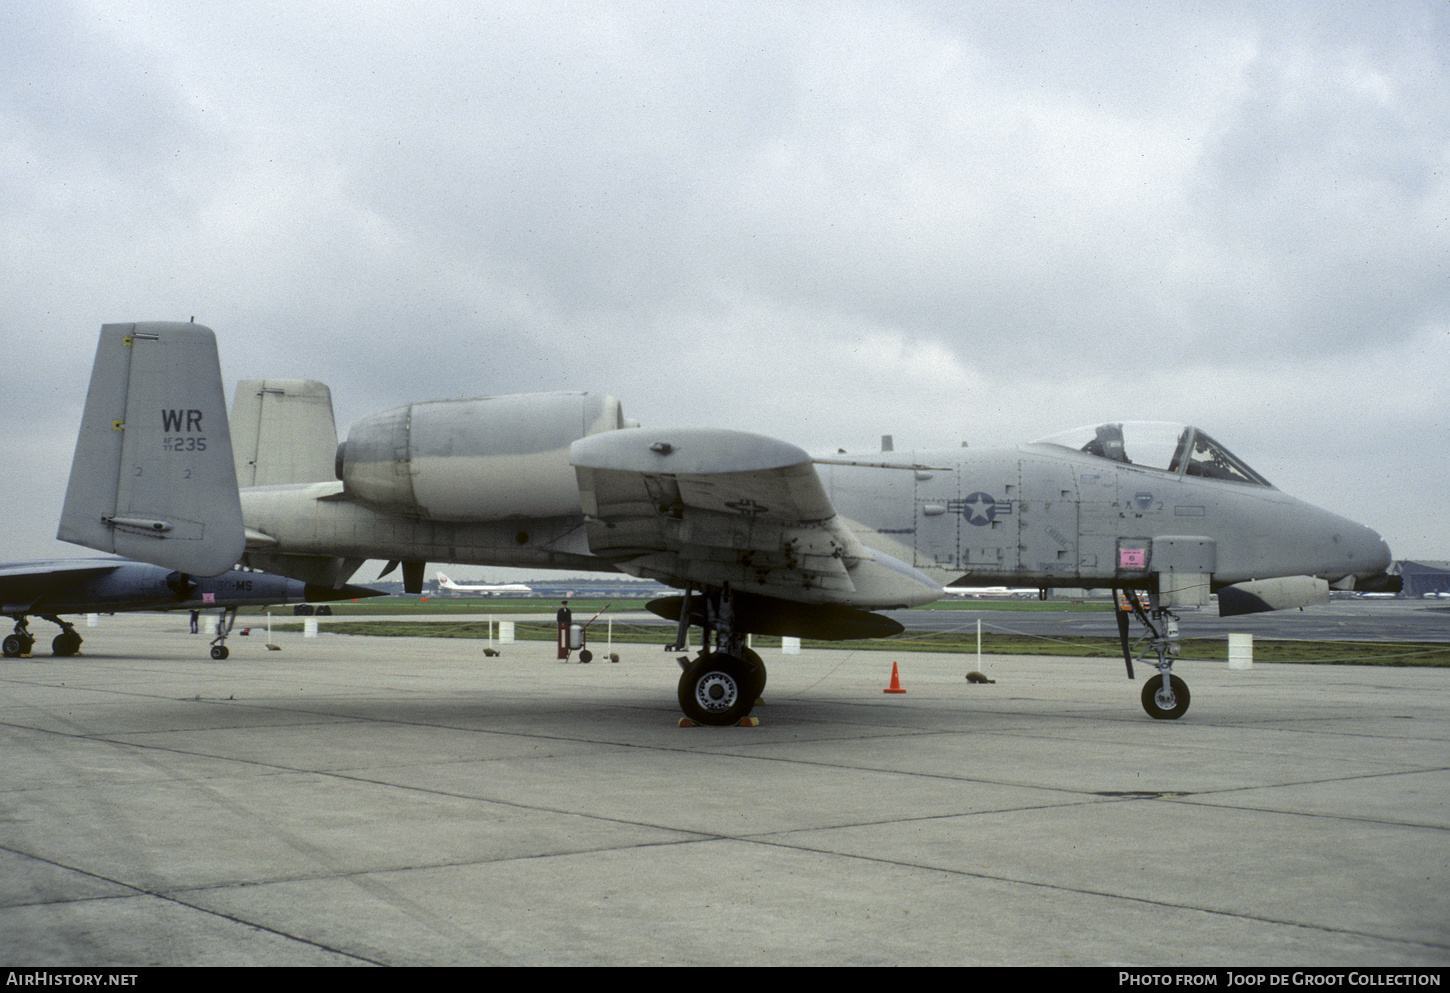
(1240, 651)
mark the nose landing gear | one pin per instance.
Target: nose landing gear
(1165, 696)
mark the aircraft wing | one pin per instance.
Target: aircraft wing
(23, 584)
(65, 586)
(710, 507)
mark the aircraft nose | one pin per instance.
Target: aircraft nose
(1363, 551)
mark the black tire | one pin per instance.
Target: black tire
(219, 652)
(14, 646)
(66, 643)
(715, 690)
(757, 673)
(586, 656)
(1155, 708)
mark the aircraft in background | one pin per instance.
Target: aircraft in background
(53, 587)
(760, 537)
(444, 583)
(995, 591)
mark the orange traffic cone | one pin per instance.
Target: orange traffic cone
(895, 686)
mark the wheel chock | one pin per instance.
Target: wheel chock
(744, 722)
(895, 686)
(976, 677)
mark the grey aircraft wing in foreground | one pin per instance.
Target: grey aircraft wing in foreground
(759, 536)
(92, 586)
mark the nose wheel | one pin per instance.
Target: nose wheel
(225, 620)
(1165, 703)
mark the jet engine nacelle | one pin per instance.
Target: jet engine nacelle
(1283, 593)
(484, 459)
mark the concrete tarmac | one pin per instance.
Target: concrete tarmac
(361, 801)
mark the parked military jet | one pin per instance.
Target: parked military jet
(759, 536)
(71, 586)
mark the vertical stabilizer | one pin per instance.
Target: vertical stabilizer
(283, 432)
(153, 477)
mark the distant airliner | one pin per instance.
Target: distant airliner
(981, 591)
(444, 583)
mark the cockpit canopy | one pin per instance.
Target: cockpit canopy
(1163, 445)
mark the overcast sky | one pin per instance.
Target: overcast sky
(825, 222)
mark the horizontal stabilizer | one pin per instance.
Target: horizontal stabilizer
(315, 570)
(1261, 595)
(153, 477)
(313, 593)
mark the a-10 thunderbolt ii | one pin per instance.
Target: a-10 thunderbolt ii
(759, 536)
(53, 587)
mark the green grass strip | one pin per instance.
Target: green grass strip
(1265, 650)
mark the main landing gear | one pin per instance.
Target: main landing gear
(1165, 696)
(19, 643)
(718, 687)
(224, 622)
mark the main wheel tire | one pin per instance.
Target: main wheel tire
(1171, 705)
(219, 652)
(66, 643)
(757, 673)
(716, 690)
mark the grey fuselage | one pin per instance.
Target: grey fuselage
(1037, 515)
(1042, 515)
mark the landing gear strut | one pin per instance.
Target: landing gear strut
(720, 687)
(1165, 696)
(224, 622)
